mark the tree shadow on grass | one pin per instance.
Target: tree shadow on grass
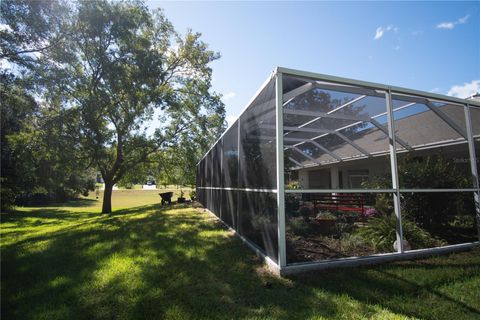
(135, 210)
(73, 203)
(153, 262)
(134, 264)
(51, 213)
(412, 288)
(42, 218)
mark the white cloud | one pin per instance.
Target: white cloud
(5, 27)
(464, 19)
(449, 25)
(229, 95)
(4, 64)
(230, 119)
(466, 90)
(378, 33)
(446, 25)
(381, 31)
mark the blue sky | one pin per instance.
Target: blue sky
(430, 46)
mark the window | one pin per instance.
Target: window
(356, 178)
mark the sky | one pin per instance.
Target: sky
(429, 46)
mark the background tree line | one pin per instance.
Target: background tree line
(83, 82)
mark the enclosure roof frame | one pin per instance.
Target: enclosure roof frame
(345, 81)
(376, 86)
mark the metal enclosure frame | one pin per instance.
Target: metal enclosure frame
(281, 99)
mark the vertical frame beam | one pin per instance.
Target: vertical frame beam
(473, 165)
(221, 174)
(282, 252)
(238, 192)
(394, 170)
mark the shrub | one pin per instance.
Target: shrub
(355, 244)
(299, 226)
(293, 185)
(369, 212)
(325, 215)
(381, 233)
(306, 211)
(8, 197)
(432, 211)
(126, 185)
(292, 204)
(343, 228)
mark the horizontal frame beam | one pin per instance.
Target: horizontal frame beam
(339, 87)
(374, 259)
(436, 190)
(240, 189)
(379, 190)
(340, 190)
(325, 115)
(373, 85)
(421, 100)
(289, 96)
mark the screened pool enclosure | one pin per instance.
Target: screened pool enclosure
(320, 171)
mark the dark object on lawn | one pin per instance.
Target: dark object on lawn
(181, 200)
(166, 197)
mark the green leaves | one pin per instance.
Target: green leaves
(431, 172)
(381, 233)
(114, 66)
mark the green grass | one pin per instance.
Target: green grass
(161, 188)
(147, 262)
(125, 198)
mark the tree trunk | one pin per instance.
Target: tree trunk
(107, 197)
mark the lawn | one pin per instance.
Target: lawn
(148, 262)
(129, 198)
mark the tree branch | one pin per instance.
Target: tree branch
(17, 53)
